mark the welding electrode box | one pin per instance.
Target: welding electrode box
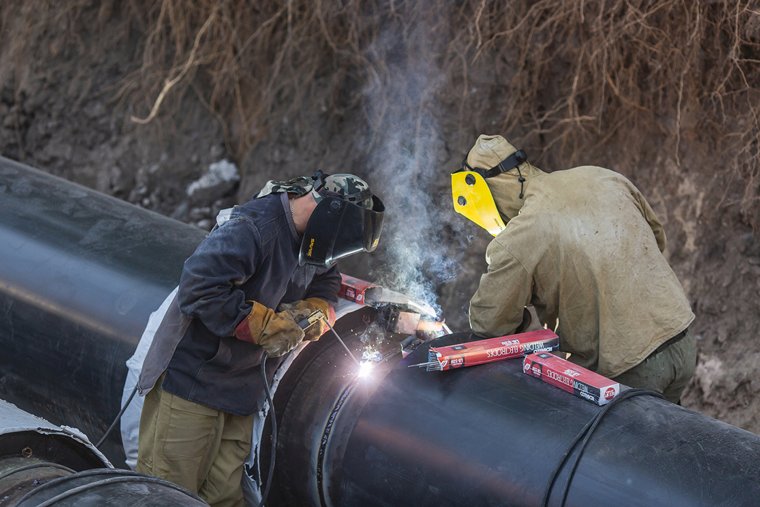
(570, 377)
(491, 349)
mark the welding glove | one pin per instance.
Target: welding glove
(276, 332)
(301, 310)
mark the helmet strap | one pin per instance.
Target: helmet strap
(511, 162)
(521, 179)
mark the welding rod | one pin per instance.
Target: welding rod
(431, 364)
(341, 341)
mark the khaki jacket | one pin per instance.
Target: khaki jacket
(586, 251)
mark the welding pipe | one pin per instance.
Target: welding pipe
(81, 272)
(42, 464)
(491, 435)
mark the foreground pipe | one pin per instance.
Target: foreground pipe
(81, 273)
(491, 435)
(42, 464)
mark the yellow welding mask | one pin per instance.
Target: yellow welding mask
(473, 200)
(472, 197)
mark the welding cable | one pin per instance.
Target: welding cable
(270, 473)
(118, 417)
(585, 434)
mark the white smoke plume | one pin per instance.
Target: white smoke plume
(408, 151)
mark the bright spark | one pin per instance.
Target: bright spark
(365, 369)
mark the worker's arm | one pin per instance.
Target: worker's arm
(321, 295)
(325, 285)
(505, 289)
(211, 277)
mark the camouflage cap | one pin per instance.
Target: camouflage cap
(349, 187)
(301, 185)
(346, 186)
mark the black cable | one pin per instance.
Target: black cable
(118, 416)
(270, 473)
(585, 434)
(555, 472)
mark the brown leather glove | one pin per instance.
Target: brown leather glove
(300, 310)
(277, 333)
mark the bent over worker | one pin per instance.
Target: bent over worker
(243, 297)
(584, 248)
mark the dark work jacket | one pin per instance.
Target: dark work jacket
(252, 256)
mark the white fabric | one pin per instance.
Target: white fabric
(130, 420)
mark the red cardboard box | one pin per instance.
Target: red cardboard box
(354, 289)
(490, 350)
(571, 378)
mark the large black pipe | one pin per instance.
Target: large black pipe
(491, 435)
(42, 464)
(77, 287)
(79, 274)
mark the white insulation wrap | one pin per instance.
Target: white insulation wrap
(13, 420)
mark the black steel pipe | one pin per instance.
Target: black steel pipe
(491, 435)
(108, 487)
(42, 464)
(81, 272)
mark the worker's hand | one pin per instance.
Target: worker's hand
(301, 310)
(276, 332)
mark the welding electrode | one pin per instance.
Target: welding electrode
(318, 315)
(342, 342)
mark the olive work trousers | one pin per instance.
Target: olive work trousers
(668, 371)
(197, 447)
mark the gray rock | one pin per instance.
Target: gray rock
(221, 178)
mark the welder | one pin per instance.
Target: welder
(243, 296)
(585, 249)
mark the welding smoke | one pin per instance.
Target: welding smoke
(408, 156)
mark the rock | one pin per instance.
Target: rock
(199, 213)
(708, 373)
(181, 211)
(94, 110)
(221, 179)
(9, 121)
(6, 94)
(205, 224)
(749, 245)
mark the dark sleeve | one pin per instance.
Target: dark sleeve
(211, 277)
(325, 285)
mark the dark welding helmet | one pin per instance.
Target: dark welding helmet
(348, 219)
